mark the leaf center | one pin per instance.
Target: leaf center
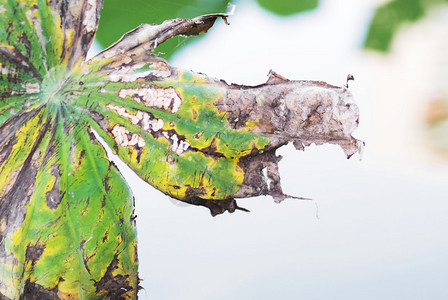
(54, 89)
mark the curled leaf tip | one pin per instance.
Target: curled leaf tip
(274, 77)
(349, 77)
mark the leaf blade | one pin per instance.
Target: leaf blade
(72, 218)
(194, 137)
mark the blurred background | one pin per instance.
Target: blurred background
(377, 228)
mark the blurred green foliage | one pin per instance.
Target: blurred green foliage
(288, 7)
(118, 16)
(390, 16)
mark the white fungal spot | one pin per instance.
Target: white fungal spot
(157, 124)
(176, 104)
(166, 103)
(135, 119)
(175, 144)
(145, 121)
(160, 123)
(137, 140)
(133, 93)
(140, 116)
(5, 70)
(185, 145)
(164, 98)
(120, 135)
(124, 138)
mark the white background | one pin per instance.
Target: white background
(376, 228)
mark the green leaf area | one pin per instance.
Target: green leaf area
(389, 17)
